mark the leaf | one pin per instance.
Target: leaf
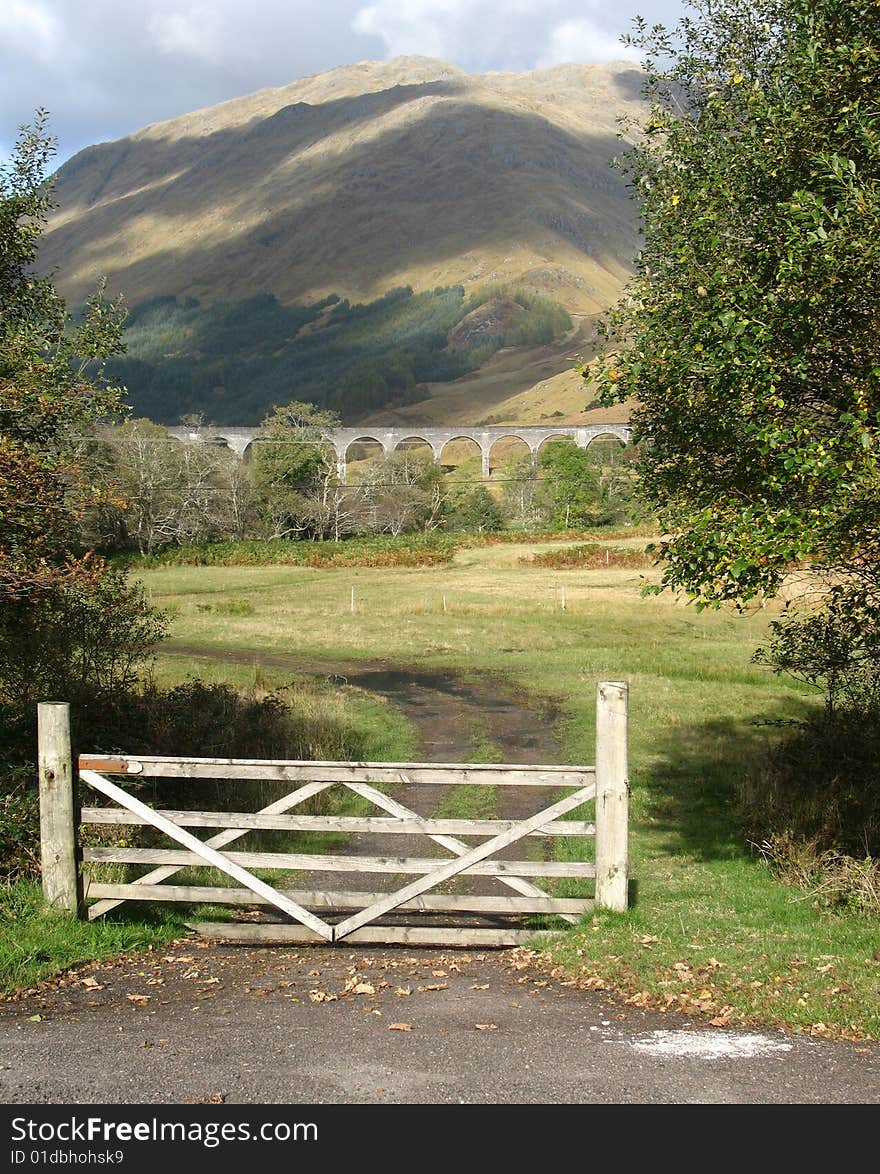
(92, 984)
(403, 990)
(434, 986)
(480, 986)
(322, 997)
(139, 999)
(400, 1027)
(364, 988)
(35, 1018)
(486, 1026)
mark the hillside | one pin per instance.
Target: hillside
(351, 183)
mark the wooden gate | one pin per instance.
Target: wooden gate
(418, 911)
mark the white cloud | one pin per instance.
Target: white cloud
(486, 34)
(106, 68)
(475, 34)
(28, 27)
(193, 32)
(582, 40)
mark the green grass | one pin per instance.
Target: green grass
(710, 931)
(35, 945)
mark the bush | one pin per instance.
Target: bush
(820, 787)
(195, 719)
(830, 879)
(82, 643)
(589, 556)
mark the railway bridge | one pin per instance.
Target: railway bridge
(390, 439)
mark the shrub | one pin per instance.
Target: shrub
(819, 787)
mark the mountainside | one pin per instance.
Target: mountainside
(357, 180)
(354, 182)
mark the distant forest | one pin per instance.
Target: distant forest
(232, 361)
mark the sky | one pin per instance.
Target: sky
(106, 68)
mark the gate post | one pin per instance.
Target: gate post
(612, 796)
(61, 887)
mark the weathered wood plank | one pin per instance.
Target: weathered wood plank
(207, 854)
(612, 796)
(329, 899)
(470, 860)
(58, 863)
(434, 773)
(313, 862)
(218, 841)
(457, 847)
(249, 932)
(256, 821)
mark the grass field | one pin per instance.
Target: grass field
(709, 931)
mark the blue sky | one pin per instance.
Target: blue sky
(105, 68)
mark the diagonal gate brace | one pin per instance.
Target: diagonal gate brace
(453, 867)
(208, 854)
(451, 842)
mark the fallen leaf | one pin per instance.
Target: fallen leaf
(403, 990)
(480, 986)
(92, 984)
(434, 986)
(322, 997)
(35, 1018)
(439, 973)
(486, 1026)
(400, 1027)
(139, 999)
(364, 988)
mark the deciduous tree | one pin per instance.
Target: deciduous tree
(750, 336)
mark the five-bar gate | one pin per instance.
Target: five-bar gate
(433, 908)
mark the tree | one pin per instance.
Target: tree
(749, 337)
(295, 475)
(58, 602)
(398, 493)
(52, 390)
(477, 510)
(572, 485)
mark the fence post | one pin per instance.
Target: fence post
(612, 796)
(61, 888)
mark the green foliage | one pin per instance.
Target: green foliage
(836, 649)
(48, 398)
(748, 339)
(572, 485)
(477, 510)
(231, 360)
(294, 472)
(70, 627)
(83, 643)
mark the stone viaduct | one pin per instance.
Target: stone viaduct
(533, 436)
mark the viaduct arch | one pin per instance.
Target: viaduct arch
(240, 439)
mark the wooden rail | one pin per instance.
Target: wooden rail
(360, 915)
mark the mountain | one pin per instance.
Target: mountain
(356, 182)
